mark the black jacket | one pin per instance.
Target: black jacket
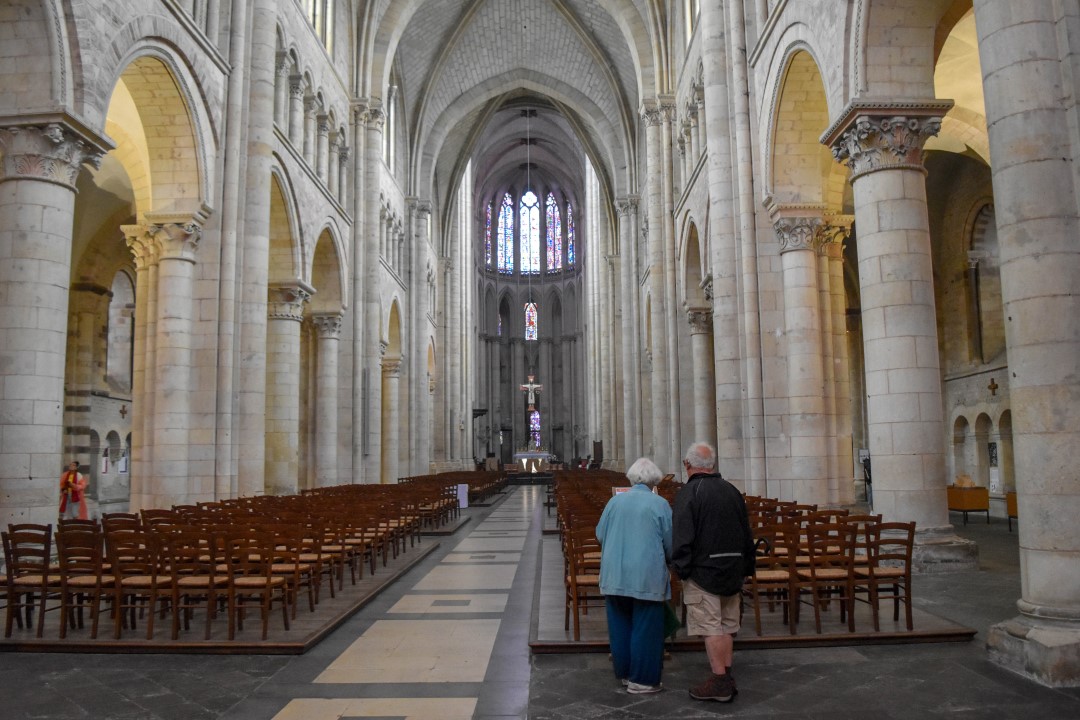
(711, 539)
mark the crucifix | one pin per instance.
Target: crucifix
(532, 388)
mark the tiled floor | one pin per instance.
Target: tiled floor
(450, 640)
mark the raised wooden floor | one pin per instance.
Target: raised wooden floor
(306, 630)
(549, 636)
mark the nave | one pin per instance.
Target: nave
(450, 639)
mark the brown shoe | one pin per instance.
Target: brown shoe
(720, 688)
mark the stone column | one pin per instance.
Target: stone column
(341, 188)
(699, 101)
(40, 164)
(391, 374)
(667, 227)
(370, 300)
(837, 230)
(281, 91)
(142, 365)
(322, 145)
(627, 209)
(732, 395)
(882, 145)
(661, 411)
(695, 138)
(171, 241)
(701, 351)
(804, 425)
(311, 106)
(296, 111)
(333, 163)
(357, 258)
(285, 312)
(1031, 115)
(328, 327)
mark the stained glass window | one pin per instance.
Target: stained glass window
(498, 331)
(554, 235)
(569, 235)
(530, 321)
(530, 233)
(487, 237)
(506, 235)
(534, 429)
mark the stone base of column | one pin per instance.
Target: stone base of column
(939, 550)
(1045, 651)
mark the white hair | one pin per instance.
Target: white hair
(644, 472)
(701, 455)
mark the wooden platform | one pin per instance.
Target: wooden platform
(548, 636)
(306, 630)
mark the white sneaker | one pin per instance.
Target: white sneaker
(638, 689)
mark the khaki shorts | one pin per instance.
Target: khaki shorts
(708, 614)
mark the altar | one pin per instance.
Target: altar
(533, 461)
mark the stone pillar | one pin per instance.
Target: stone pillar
(804, 426)
(1030, 117)
(328, 327)
(882, 146)
(40, 164)
(370, 300)
(171, 242)
(702, 127)
(667, 227)
(285, 312)
(391, 374)
(722, 287)
(701, 351)
(627, 209)
(322, 145)
(342, 159)
(660, 443)
(695, 138)
(296, 111)
(311, 106)
(837, 231)
(281, 91)
(333, 163)
(142, 365)
(357, 258)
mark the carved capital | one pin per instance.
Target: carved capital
(322, 121)
(700, 320)
(285, 301)
(797, 233)
(296, 86)
(706, 287)
(284, 64)
(376, 117)
(176, 236)
(872, 136)
(626, 204)
(51, 152)
(652, 115)
(343, 154)
(835, 230)
(311, 104)
(391, 367)
(328, 325)
(141, 244)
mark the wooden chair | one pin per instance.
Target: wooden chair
(30, 579)
(582, 580)
(289, 545)
(775, 577)
(1010, 507)
(138, 582)
(250, 562)
(190, 560)
(829, 574)
(888, 576)
(120, 521)
(81, 555)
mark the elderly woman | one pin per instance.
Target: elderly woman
(635, 534)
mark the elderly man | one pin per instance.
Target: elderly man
(712, 551)
(635, 534)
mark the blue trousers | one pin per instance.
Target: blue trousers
(636, 634)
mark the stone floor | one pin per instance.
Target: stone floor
(450, 640)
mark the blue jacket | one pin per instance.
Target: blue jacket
(635, 534)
